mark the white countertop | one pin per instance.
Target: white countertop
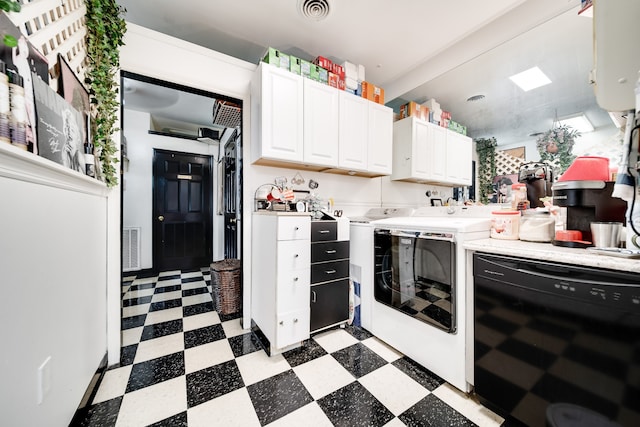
(549, 252)
(281, 213)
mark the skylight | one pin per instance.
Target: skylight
(530, 79)
(578, 122)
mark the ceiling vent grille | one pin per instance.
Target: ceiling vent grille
(314, 9)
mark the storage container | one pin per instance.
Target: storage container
(537, 226)
(505, 225)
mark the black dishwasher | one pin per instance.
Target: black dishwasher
(548, 335)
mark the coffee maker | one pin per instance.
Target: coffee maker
(587, 202)
(538, 178)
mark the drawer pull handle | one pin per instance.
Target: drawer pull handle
(295, 320)
(296, 256)
(330, 272)
(297, 228)
(325, 231)
(313, 296)
(295, 279)
(332, 251)
(281, 323)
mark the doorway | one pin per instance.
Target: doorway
(182, 211)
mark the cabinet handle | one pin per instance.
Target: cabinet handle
(296, 256)
(295, 320)
(313, 296)
(332, 251)
(330, 272)
(324, 231)
(297, 228)
(281, 323)
(295, 279)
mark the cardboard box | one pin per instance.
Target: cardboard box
(332, 79)
(339, 70)
(294, 64)
(305, 68)
(272, 57)
(367, 90)
(351, 83)
(413, 109)
(323, 62)
(360, 72)
(315, 72)
(323, 75)
(378, 95)
(350, 70)
(341, 84)
(285, 61)
(445, 117)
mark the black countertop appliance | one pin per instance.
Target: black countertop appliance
(587, 202)
(538, 177)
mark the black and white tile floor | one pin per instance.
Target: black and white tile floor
(183, 364)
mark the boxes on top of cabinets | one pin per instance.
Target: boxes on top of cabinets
(277, 58)
(413, 109)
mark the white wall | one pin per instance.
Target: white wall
(137, 192)
(53, 252)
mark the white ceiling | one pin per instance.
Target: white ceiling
(415, 49)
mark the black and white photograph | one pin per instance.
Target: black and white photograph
(60, 128)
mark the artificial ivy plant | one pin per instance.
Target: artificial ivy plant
(486, 149)
(105, 31)
(10, 6)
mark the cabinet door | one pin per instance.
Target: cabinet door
(421, 133)
(292, 290)
(294, 228)
(292, 327)
(282, 114)
(354, 132)
(459, 153)
(380, 154)
(437, 153)
(329, 304)
(321, 118)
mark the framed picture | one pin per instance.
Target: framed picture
(60, 128)
(436, 202)
(73, 91)
(502, 188)
(518, 152)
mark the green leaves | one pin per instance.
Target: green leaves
(486, 149)
(105, 31)
(10, 5)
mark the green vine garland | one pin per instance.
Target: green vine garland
(105, 31)
(555, 146)
(486, 149)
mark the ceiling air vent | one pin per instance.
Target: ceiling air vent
(314, 9)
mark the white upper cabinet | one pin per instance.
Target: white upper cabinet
(277, 115)
(425, 152)
(380, 137)
(321, 118)
(354, 132)
(303, 123)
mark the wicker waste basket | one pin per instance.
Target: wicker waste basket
(225, 285)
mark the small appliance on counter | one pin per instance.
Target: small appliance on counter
(587, 202)
(538, 178)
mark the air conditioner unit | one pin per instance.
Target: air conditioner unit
(209, 135)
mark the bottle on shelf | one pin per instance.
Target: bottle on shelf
(5, 133)
(18, 111)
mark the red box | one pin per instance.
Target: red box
(323, 62)
(341, 84)
(339, 70)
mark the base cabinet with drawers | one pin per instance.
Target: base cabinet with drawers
(329, 276)
(280, 281)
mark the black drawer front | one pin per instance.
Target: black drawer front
(327, 271)
(322, 231)
(328, 251)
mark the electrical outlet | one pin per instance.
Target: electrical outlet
(44, 379)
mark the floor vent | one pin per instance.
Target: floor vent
(131, 249)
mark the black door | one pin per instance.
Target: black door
(231, 198)
(182, 211)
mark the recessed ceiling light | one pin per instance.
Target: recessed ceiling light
(530, 79)
(578, 122)
(475, 98)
